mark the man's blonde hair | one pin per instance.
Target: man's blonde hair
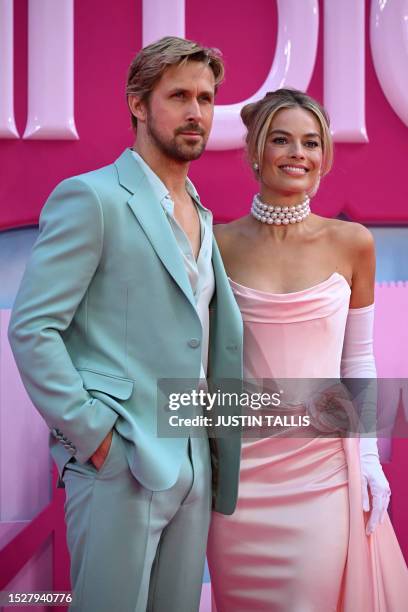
(258, 116)
(151, 62)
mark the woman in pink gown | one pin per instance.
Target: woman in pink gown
(310, 532)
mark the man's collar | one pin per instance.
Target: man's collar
(132, 169)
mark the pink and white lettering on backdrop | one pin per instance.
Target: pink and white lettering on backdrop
(351, 54)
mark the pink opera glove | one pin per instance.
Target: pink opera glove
(358, 362)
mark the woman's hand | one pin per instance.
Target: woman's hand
(373, 480)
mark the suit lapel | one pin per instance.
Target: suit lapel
(223, 299)
(152, 218)
(220, 275)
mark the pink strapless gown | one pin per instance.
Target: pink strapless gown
(296, 542)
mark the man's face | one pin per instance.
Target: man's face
(180, 111)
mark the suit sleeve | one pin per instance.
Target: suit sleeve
(60, 269)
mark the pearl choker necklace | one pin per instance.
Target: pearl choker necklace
(279, 215)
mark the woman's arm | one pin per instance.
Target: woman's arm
(358, 362)
(362, 252)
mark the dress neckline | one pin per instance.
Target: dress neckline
(290, 293)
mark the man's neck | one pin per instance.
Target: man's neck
(172, 173)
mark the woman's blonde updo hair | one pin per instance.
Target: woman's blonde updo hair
(258, 116)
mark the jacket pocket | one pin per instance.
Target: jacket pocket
(120, 388)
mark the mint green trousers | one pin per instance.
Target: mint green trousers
(135, 550)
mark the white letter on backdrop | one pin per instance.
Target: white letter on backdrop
(295, 55)
(51, 70)
(163, 18)
(344, 69)
(389, 46)
(7, 124)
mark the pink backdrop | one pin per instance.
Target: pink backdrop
(367, 183)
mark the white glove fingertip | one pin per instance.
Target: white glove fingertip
(366, 499)
(372, 524)
(385, 508)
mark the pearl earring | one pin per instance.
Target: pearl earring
(255, 166)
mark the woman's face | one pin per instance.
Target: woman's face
(292, 156)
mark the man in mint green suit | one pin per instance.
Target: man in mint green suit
(116, 297)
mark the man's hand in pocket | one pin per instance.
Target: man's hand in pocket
(99, 456)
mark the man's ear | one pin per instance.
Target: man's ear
(137, 107)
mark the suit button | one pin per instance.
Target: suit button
(194, 343)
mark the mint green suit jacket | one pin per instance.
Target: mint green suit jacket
(105, 309)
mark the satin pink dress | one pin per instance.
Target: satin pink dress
(296, 542)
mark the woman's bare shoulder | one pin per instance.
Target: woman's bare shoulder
(228, 232)
(354, 236)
